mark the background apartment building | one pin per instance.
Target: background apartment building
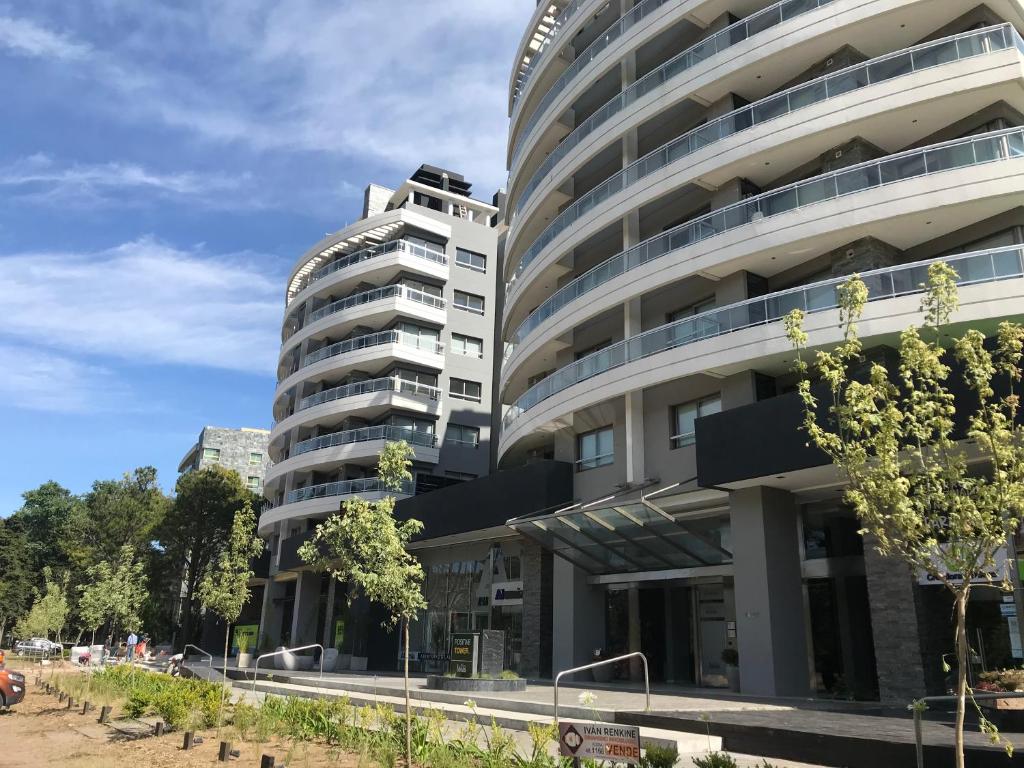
(243, 450)
(387, 335)
(682, 174)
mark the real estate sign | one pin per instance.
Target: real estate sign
(599, 741)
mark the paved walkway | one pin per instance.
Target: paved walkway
(821, 732)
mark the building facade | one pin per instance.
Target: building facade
(243, 450)
(682, 173)
(387, 335)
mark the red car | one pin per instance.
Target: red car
(12, 685)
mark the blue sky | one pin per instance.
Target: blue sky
(162, 165)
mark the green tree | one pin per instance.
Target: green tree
(941, 504)
(225, 587)
(18, 577)
(117, 513)
(114, 593)
(49, 612)
(45, 519)
(366, 548)
(197, 521)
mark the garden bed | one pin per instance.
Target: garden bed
(476, 684)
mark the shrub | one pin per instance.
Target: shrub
(656, 756)
(508, 674)
(715, 760)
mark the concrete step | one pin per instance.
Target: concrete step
(508, 719)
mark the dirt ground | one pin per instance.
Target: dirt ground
(40, 732)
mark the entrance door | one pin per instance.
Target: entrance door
(652, 630)
(712, 634)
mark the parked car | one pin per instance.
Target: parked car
(37, 646)
(12, 688)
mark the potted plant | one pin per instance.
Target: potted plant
(602, 674)
(244, 657)
(731, 659)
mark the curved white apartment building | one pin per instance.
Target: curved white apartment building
(386, 336)
(682, 174)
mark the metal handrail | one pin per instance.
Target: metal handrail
(647, 677)
(256, 667)
(918, 706)
(205, 653)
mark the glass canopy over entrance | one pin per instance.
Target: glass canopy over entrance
(630, 536)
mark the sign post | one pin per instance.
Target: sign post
(600, 741)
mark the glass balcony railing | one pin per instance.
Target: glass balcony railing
(618, 28)
(947, 50)
(377, 294)
(567, 13)
(926, 56)
(732, 35)
(388, 384)
(978, 267)
(366, 434)
(345, 488)
(393, 246)
(373, 340)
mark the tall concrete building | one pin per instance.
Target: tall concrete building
(243, 450)
(682, 173)
(387, 335)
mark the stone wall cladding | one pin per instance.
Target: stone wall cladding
(894, 624)
(537, 607)
(235, 446)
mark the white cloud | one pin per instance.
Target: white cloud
(146, 302)
(39, 380)
(38, 178)
(394, 82)
(26, 38)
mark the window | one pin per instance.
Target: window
(596, 449)
(255, 459)
(419, 285)
(458, 434)
(694, 309)
(461, 476)
(469, 302)
(470, 259)
(252, 483)
(469, 346)
(463, 389)
(418, 336)
(211, 454)
(591, 350)
(417, 425)
(684, 417)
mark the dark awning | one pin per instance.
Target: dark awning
(631, 535)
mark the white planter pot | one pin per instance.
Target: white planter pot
(244, 660)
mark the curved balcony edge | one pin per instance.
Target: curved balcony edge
(991, 281)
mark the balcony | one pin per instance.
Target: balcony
(366, 434)
(389, 384)
(879, 70)
(550, 37)
(592, 52)
(372, 340)
(319, 501)
(377, 294)
(345, 488)
(890, 283)
(971, 151)
(377, 306)
(705, 49)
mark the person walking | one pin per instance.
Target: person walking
(133, 640)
